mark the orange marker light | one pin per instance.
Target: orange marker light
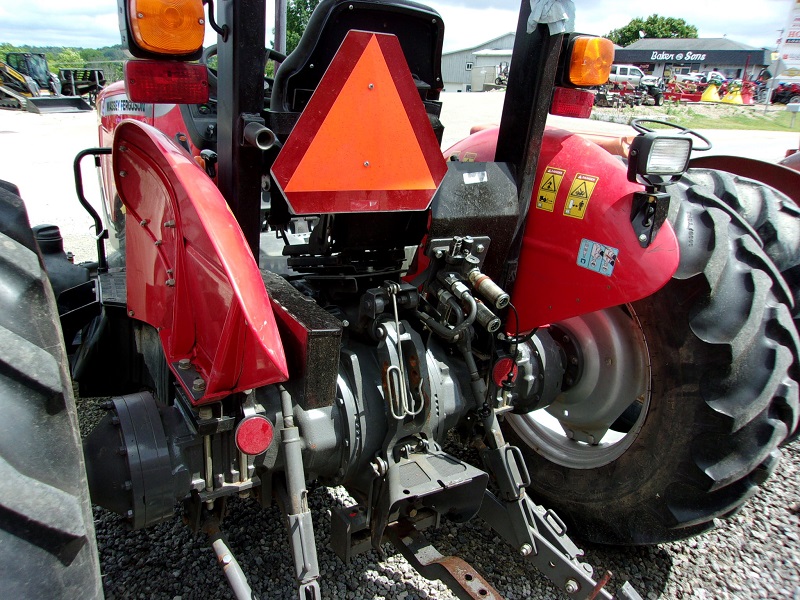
(173, 27)
(590, 60)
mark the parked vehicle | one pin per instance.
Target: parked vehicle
(688, 77)
(625, 74)
(615, 340)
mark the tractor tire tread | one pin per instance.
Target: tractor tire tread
(47, 543)
(773, 217)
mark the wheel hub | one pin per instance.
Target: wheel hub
(606, 396)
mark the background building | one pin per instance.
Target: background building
(466, 70)
(471, 69)
(669, 56)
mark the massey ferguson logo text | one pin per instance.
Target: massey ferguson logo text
(691, 56)
(124, 106)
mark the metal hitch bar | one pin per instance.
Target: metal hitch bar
(460, 577)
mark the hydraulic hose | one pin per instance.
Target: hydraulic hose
(444, 331)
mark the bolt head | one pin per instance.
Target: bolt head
(571, 586)
(525, 549)
(643, 238)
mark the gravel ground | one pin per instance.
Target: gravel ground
(755, 554)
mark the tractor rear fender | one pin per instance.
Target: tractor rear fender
(190, 273)
(114, 107)
(580, 252)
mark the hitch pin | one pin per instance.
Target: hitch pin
(599, 586)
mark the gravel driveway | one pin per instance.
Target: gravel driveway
(755, 554)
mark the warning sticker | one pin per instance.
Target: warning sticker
(580, 191)
(548, 188)
(597, 257)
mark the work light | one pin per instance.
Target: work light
(656, 159)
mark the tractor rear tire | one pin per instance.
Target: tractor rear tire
(772, 215)
(47, 542)
(718, 397)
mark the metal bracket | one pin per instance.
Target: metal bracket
(648, 213)
(455, 572)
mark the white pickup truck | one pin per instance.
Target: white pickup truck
(629, 74)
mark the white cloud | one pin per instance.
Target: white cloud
(93, 23)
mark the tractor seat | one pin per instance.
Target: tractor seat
(419, 29)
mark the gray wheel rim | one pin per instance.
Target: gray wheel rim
(574, 430)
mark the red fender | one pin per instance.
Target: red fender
(190, 272)
(580, 253)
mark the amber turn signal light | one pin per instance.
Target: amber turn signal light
(590, 60)
(167, 27)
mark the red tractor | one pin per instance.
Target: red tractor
(303, 290)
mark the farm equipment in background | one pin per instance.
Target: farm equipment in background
(615, 341)
(26, 83)
(82, 82)
(502, 74)
(786, 93)
(649, 92)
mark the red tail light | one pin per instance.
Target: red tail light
(166, 82)
(254, 435)
(572, 103)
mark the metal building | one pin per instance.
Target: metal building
(466, 70)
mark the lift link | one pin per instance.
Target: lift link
(230, 566)
(538, 534)
(295, 504)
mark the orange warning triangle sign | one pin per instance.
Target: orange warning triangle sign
(364, 141)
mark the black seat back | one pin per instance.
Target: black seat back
(419, 29)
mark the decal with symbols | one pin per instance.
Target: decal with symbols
(597, 257)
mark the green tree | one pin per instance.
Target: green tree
(652, 27)
(68, 58)
(5, 48)
(298, 12)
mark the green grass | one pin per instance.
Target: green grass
(712, 116)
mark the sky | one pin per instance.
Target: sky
(93, 23)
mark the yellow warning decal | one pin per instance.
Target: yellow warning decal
(548, 188)
(580, 191)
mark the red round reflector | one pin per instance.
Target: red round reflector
(254, 435)
(501, 369)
